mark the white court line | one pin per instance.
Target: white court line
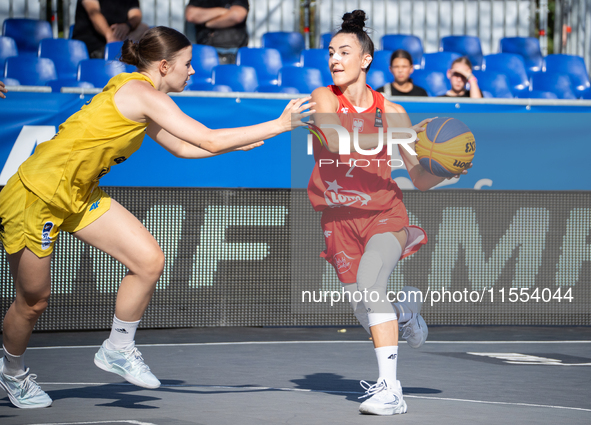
(226, 387)
(124, 421)
(205, 344)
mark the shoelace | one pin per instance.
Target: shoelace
(29, 386)
(372, 389)
(135, 357)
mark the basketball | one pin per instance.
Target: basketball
(446, 147)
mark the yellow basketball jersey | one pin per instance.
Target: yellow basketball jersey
(64, 170)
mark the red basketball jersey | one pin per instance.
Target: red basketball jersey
(355, 181)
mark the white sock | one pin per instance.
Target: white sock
(122, 335)
(403, 317)
(13, 365)
(387, 360)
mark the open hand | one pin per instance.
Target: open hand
(2, 90)
(294, 113)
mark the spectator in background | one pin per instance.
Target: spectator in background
(221, 24)
(460, 74)
(99, 22)
(401, 68)
(2, 90)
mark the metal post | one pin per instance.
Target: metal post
(543, 26)
(306, 23)
(54, 18)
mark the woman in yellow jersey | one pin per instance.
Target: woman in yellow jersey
(57, 189)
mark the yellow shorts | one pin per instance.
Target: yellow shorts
(25, 220)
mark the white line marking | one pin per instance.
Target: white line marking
(205, 344)
(125, 421)
(240, 388)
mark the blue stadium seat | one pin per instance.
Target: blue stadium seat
(240, 78)
(586, 94)
(434, 82)
(465, 45)
(303, 79)
(30, 70)
(528, 47)
(325, 40)
(411, 43)
(574, 67)
(56, 85)
(7, 49)
(266, 61)
(289, 44)
(99, 71)
(381, 60)
(71, 31)
(512, 65)
(205, 58)
(440, 61)
(496, 83)
(269, 88)
(65, 54)
(318, 58)
(113, 50)
(536, 94)
(377, 78)
(558, 84)
(10, 81)
(27, 33)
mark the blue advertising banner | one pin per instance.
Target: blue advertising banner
(518, 147)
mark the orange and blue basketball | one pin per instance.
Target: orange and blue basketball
(446, 147)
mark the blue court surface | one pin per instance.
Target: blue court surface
(462, 375)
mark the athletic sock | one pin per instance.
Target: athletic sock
(122, 335)
(387, 360)
(13, 365)
(403, 317)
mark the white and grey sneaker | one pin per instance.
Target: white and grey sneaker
(129, 364)
(415, 331)
(23, 391)
(384, 400)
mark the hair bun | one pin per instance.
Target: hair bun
(354, 21)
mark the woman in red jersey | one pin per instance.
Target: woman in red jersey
(364, 221)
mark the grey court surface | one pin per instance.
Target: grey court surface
(463, 375)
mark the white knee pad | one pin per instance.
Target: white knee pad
(358, 308)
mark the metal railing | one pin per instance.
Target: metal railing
(490, 20)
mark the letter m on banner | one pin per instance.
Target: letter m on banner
(29, 137)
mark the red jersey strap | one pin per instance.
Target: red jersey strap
(378, 101)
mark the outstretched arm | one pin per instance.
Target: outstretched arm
(182, 149)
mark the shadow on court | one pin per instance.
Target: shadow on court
(331, 383)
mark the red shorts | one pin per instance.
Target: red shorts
(347, 231)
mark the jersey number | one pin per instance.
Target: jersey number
(350, 171)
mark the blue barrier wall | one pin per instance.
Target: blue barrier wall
(540, 147)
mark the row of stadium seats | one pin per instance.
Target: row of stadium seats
(507, 74)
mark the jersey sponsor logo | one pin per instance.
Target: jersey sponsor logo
(101, 174)
(327, 233)
(45, 238)
(358, 124)
(383, 221)
(120, 159)
(336, 196)
(342, 262)
(94, 205)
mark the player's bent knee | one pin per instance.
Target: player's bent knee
(369, 268)
(152, 265)
(31, 309)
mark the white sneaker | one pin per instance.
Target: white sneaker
(415, 331)
(23, 391)
(129, 364)
(383, 400)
